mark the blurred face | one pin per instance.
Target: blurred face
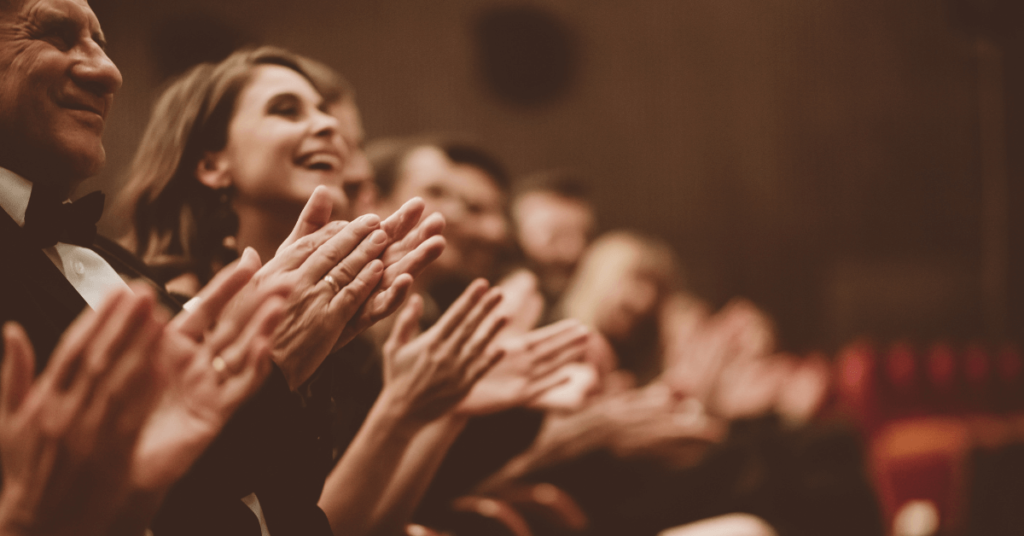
(357, 175)
(632, 300)
(553, 232)
(56, 86)
(281, 146)
(476, 228)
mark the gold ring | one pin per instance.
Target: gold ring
(334, 284)
(218, 364)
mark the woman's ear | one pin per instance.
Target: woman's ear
(212, 171)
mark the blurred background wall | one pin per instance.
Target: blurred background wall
(852, 166)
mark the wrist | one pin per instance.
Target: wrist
(393, 412)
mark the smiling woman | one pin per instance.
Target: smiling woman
(229, 158)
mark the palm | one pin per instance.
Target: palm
(192, 410)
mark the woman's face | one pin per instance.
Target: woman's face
(629, 302)
(282, 144)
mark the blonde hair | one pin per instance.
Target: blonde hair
(610, 258)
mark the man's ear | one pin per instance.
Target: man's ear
(212, 171)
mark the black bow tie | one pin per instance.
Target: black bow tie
(48, 220)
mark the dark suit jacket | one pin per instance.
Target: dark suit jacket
(264, 448)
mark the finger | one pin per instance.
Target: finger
(404, 219)
(133, 384)
(249, 378)
(483, 363)
(486, 332)
(314, 216)
(545, 383)
(354, 294)
(387, 302)
(18, 367)
(338, 247)
(215, 295)
(432, 225)
(114, 394)
(415, 261)
(539, 335)
(458, 310)
(369, 249)
(237, 351)
(106, 349)
(67, 357)
(571, 339)
(406, 324)
(556, 358)
(294, 254)
(468, 326)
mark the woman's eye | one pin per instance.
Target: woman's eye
(287, 111)
(285, 106)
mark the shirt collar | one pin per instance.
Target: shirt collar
(15, 191)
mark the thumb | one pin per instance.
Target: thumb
(16, 375)
(407, 323)
(315, 215)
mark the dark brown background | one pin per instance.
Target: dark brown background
(853, 166)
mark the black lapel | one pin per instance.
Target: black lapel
(34, 292)
(125, 263)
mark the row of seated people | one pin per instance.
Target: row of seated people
(294, 393)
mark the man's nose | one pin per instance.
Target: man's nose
(96, 72)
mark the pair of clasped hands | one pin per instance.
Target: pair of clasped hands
(130, 397)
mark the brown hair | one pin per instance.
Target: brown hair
(387, 156)
(179, 225)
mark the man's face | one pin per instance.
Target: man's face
(553, 231)
(472, 205)
(56, 87)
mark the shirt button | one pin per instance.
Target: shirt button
(79, 268)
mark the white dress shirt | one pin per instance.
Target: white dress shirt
(91, 276)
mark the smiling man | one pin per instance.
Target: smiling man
(57, 87)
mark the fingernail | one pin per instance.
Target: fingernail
(378, 237)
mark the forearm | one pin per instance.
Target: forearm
(358, 482)
(574, 436)
(415, 472)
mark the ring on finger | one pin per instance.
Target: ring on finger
(333, 283)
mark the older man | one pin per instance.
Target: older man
(56, 87)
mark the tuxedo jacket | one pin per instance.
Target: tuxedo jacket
(265, 448)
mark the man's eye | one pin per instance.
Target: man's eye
(61, 40)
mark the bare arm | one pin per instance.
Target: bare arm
(425, 377)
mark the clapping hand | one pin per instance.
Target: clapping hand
(529, 369)
(216, 357)
(425, 376)
(67, 438)
(345, 276)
